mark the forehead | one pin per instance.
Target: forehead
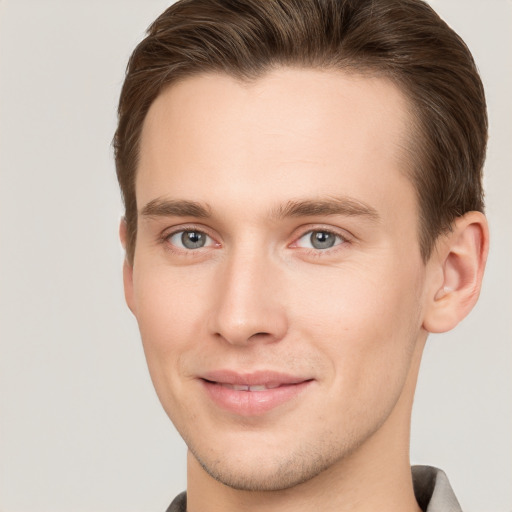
(288, 133)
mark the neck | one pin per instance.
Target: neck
(375, 476)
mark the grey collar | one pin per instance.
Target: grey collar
(433, 490)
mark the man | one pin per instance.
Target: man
(302, 183)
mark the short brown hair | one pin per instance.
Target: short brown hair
(403, 40)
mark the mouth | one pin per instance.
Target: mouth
(252, 394)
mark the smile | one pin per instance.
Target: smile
(252, 394)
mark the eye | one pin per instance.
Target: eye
(190, 239)
(319, 240)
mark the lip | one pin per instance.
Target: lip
(231, 391)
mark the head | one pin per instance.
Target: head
(302, 183)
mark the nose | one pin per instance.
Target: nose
(248, 305)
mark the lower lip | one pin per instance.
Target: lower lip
(252, 403)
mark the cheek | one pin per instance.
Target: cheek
(367, 333)
(168, 312)
(364, 322)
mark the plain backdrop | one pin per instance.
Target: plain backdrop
(80, 426)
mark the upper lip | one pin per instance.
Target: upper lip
(266, 378)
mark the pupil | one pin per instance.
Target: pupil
(192, 239)
(322, 240)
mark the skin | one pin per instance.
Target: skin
(352, 319)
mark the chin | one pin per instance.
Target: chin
(270, 474)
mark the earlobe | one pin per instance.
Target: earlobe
(127, 269)
(456, 271)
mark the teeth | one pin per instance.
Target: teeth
(243, 387)
(238, 387)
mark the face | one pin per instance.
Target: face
(277, 278)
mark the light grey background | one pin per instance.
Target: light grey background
(80, 426)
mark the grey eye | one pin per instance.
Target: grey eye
(319, 240)
(322, 239)
(193, 239)
(190, 239)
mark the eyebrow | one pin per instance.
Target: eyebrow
(345, 206)
(175, 208)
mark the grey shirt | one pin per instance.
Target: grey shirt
(431, 488)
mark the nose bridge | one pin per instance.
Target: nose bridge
(247, 304)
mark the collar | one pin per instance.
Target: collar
(433, 490)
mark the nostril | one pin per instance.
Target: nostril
(260, 335)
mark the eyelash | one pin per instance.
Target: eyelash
(166, 240)
(340, 240)
(343, 240)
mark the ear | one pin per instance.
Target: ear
(127, 268)
(455, 272)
